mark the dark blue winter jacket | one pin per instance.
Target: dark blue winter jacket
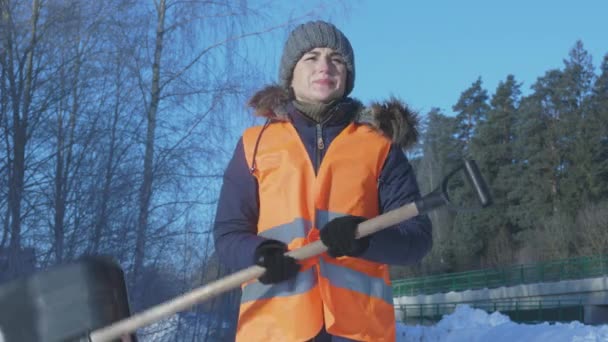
(235, 229)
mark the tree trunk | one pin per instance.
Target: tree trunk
(148, 174)
(21, 105)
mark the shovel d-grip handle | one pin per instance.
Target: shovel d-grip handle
(429, 202)
(439, 197)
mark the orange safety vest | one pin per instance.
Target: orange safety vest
(351, 296)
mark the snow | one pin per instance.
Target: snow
(467, 324)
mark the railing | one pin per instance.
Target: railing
(528, 311)
(566, 269)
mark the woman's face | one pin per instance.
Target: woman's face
(319, 76)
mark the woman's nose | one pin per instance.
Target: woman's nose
(324, 64)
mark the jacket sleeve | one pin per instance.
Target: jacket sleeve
(409, 241)
(235, 227)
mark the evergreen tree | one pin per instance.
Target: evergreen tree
(537, 151)
(472, 110)
(439, 147)
(440, 155)
(598, 144)
(552, 153)
(578, 129)
(493, 148)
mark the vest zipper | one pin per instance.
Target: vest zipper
(320, 147)
(320, 142)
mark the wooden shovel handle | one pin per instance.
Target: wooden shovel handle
(232, 281)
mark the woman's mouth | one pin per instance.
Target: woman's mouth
(325, 82)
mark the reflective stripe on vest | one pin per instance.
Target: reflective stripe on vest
(350, 296)
(302, 283)
(287, 232)
(347, 278)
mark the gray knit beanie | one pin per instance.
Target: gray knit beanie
(316, 34)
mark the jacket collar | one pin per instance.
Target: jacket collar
(392, 118)
(340, 115)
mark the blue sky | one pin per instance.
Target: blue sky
(428, 52)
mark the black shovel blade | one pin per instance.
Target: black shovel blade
(63, 303)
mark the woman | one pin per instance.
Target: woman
(320, 165)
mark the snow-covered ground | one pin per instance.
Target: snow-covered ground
(467, 324)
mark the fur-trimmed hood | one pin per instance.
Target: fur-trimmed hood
(392, 118)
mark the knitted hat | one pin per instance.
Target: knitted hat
(311, 35)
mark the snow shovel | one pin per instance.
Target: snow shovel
(64, 302)
(433, 200)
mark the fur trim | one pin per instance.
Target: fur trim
(270, 102)
(392, 118)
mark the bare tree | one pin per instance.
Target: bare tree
(117, 118)
(18, 68)
(146, 186)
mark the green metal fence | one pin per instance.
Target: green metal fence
(566, 269)
(523, 311)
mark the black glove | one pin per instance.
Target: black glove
(339, 237)
(279, 267)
